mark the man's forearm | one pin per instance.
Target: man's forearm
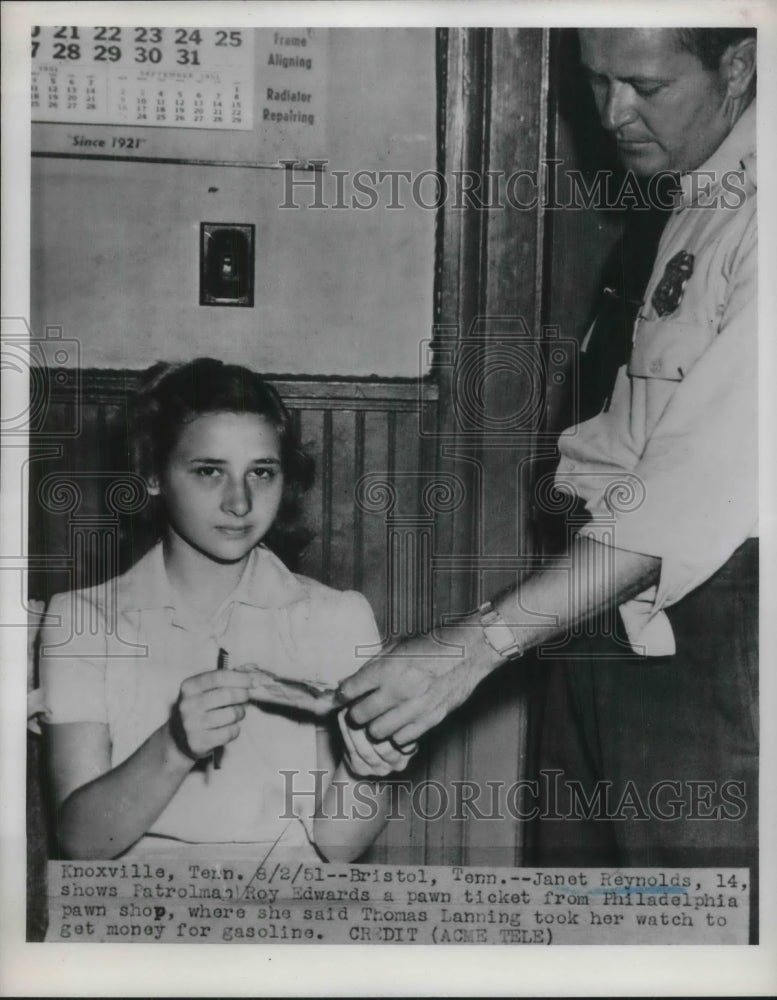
(411, 687)
(573, 587)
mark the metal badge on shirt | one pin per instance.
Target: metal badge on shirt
(669, 291)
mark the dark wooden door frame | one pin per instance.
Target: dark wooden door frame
(493, 121)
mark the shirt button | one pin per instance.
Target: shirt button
(655, 367)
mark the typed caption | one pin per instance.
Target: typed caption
(178, 902)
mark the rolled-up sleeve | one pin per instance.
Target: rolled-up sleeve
(699, 469)
(73, 660)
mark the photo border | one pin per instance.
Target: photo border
(84, 969)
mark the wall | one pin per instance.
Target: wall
(349, 292)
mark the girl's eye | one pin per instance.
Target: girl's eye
(265, 474)
(207, 471)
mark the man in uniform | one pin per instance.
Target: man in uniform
(664, 709)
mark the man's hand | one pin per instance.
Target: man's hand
(412, 686)
(365, 758)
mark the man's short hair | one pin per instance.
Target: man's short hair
(709, 44)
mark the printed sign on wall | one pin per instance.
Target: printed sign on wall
(129, 92)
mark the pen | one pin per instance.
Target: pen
(221, 664)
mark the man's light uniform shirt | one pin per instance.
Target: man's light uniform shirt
(670, 469)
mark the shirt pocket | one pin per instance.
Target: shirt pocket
(667, 349)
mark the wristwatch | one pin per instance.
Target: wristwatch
(497, 633)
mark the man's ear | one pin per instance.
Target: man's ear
(738, 65)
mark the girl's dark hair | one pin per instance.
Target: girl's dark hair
(171, 395)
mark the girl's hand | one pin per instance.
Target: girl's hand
(209, 710)
(366, 758)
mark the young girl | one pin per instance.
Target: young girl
(158, 742)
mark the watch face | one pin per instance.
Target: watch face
(497, 632)
(499, 637)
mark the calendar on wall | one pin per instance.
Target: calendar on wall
(251, 96)
(184, 77)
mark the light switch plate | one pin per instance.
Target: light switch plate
(226, 264)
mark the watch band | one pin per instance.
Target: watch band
(497, 633)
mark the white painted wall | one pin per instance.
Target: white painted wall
(337, 292)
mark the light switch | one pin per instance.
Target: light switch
(226, 264)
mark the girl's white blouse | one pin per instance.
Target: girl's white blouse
(117, 654)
